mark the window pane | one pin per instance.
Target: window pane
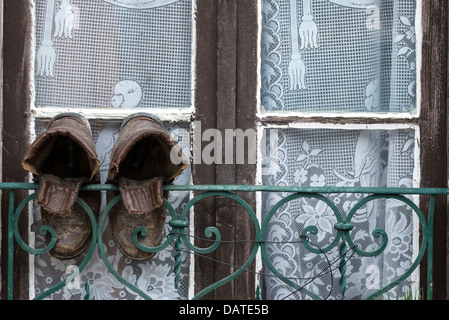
(154, 277)
(338, 55)
(113, 53)
(345, 158)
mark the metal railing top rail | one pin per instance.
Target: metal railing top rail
(253, 188)
(179, 222)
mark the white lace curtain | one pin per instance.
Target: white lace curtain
(341, 56)
(338, 55)
(115, 53)
(349, 158)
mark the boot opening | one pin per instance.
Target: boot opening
(66, 159)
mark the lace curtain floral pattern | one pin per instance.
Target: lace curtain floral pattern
(114, 54)
(341, 56)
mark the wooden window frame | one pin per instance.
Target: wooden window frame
(430, 121)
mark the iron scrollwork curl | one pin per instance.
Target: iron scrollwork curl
(383, 234)
(211, 231)
(304, 237)
(177, 235)
(343, 239)
(102, 251)
(48, 229)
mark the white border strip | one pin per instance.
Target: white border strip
(264, 114)
(165, 114)
(32, 137)
(418, 52)
(192, 112)
(259, 262)
(1, 115)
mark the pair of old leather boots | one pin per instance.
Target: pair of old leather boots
(63, 158)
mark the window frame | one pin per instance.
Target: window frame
(419, 119)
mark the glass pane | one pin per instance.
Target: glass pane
(338, 55)
(113, 53)
(345, 158)
(154, 276)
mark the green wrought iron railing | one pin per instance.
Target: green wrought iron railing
(179, 237)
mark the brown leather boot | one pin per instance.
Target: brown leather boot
(62, 159)
(140, 164)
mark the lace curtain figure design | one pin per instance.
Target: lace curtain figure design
(307, 33)
(64, 21)
(86, 47)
